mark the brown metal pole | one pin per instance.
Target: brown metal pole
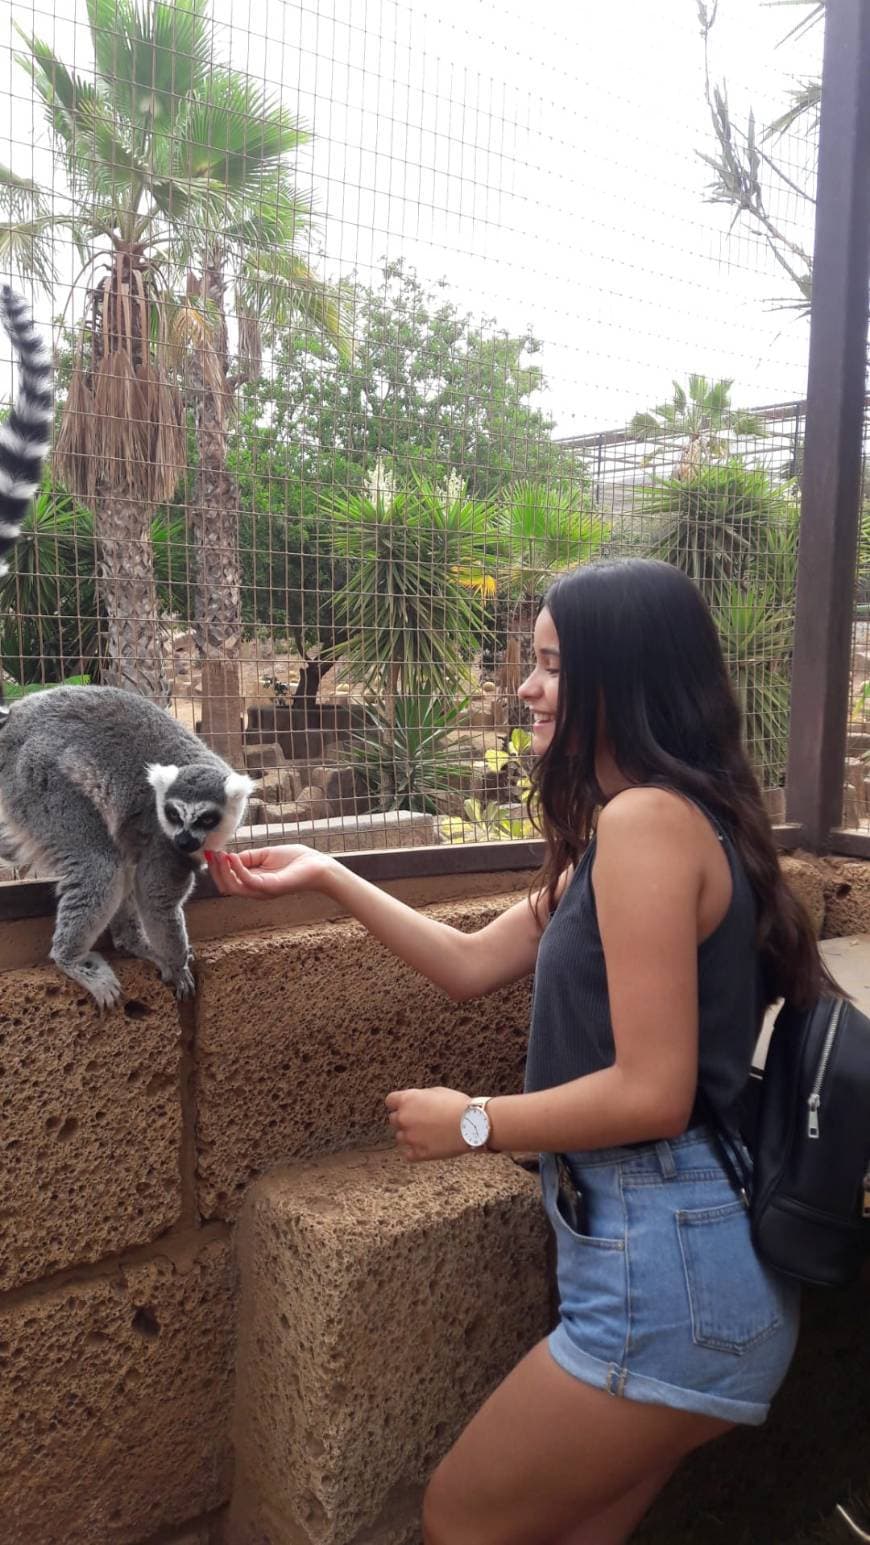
(831, 481)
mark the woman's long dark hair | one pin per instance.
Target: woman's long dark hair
(640, 656)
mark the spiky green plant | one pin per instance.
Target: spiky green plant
(409, 761)
(537, 528)
(735, 533)
(410, 614)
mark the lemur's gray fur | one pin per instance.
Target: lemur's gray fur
(101, 787)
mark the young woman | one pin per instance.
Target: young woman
(660, 931)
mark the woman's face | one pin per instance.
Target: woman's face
(540, 690)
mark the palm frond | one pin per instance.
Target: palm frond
(806, 103)
(279, 287)
(230, 130)
(27, 249)
(21, 196)
(97, 158)
(643, 425)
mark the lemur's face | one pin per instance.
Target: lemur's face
(195, 821)
(190, 826)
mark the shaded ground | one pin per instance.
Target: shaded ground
(812, 1453)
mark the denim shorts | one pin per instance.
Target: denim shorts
(662, 1295)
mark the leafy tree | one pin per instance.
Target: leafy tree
(51, 625)
(426, 389)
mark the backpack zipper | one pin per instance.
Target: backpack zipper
(815, 1099)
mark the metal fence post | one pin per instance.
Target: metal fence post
(831, 479)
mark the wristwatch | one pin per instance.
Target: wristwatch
(475, 1127)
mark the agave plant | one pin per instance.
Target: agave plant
(176, 164)
(410, 614)
(409, 760)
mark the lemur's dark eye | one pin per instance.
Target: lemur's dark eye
(172, 815)
(209, 821)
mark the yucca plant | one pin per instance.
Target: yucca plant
(410, 614)
(756, 629)
(409, 760)
(735, 533)
(177, 166)
(729, 523)
(536, 529)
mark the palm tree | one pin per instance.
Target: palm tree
(702, 418)
(162, 152)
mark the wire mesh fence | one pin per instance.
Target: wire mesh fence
(341, 297)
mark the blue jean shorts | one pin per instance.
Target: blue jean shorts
(662, 1295)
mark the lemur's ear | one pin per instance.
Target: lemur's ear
(161, 777)
(238, 786)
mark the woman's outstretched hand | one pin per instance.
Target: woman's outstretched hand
(270, 871)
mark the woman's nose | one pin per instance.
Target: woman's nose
(526, 689)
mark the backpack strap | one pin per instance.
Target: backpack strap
(734, 1162)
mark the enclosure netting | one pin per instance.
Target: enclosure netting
(372, 318)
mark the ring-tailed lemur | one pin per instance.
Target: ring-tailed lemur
(102, 788)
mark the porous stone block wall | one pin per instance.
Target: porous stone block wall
(301, 1037)
(90, 1121)
(127, 1144)
(380, 1304)
(115, 1393)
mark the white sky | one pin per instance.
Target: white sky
(540, 157)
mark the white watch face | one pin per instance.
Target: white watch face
(474, 1127)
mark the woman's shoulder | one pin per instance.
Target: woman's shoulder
(648, 812)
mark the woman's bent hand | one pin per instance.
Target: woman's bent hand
(270, 871)
(426, 1122)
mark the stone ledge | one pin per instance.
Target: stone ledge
(340, 1260)
(343, 834)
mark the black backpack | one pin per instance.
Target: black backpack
(806, 1122)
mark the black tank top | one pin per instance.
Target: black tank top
(571, 1031)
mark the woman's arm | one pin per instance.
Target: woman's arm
(462, 965)
(647, 877)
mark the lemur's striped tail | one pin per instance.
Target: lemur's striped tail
(26, 434)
